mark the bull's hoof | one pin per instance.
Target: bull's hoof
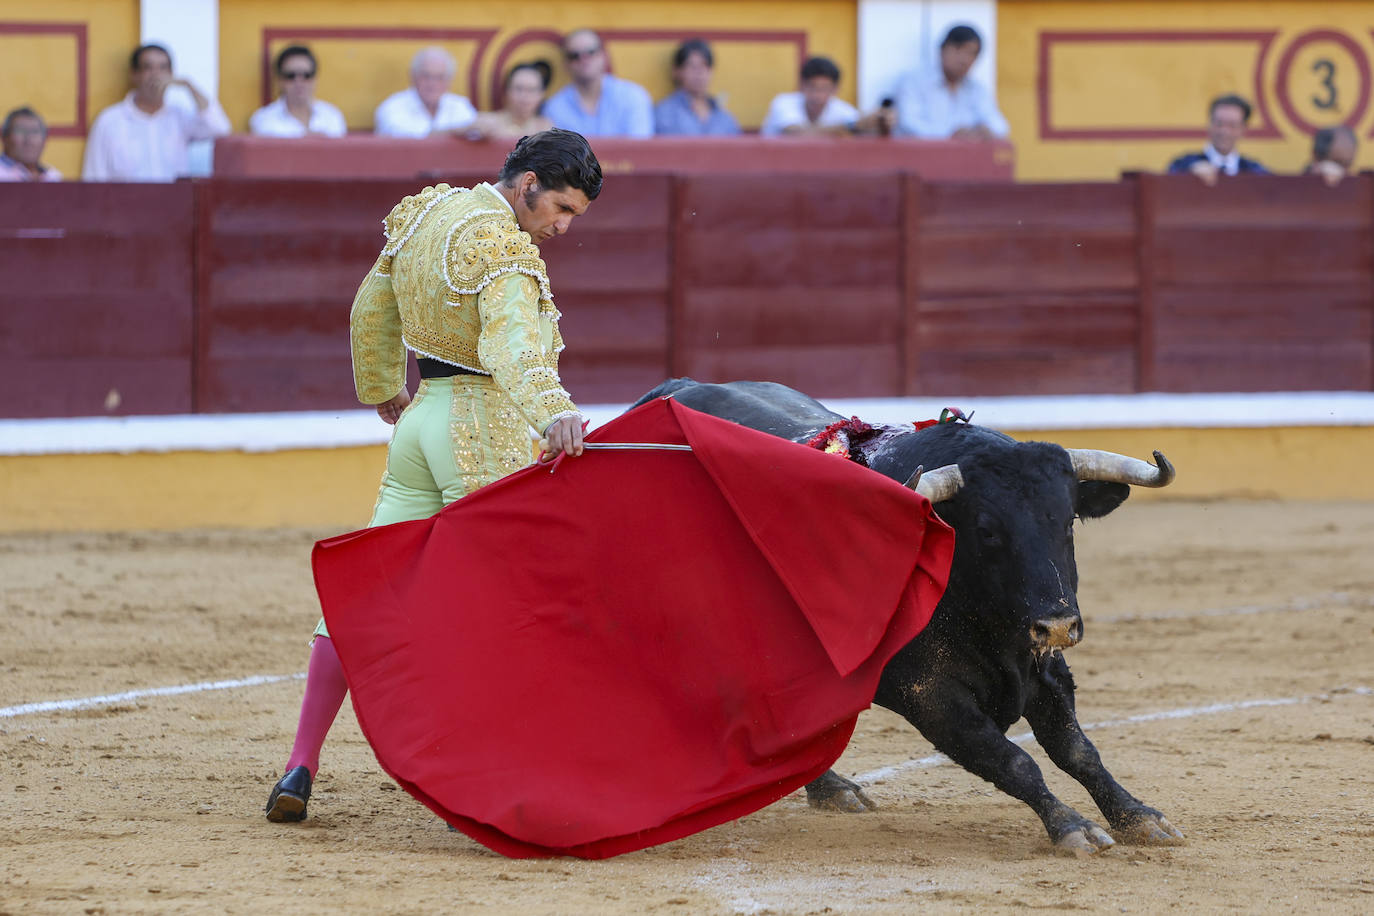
(1148, 828)
(849, 801)
(1085, 840)
(832, 792)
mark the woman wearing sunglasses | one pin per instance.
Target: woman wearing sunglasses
(296, 112)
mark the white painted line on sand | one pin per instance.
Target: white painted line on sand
(1349, 599)
(1330, 599)
(1186, 712)
(28, 709)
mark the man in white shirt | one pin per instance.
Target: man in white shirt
(950, 104)
(815, 109)
(144, 138)
(427, 107)
(296, 112)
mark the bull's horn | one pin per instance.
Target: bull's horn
(1091, 464)
(937, 485)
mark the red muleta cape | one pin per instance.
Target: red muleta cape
(638, 645)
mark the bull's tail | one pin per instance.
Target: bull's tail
(671, 386)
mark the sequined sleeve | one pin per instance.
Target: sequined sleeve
(512, 349)
(379, 355)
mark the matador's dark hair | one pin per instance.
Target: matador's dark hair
(559, 159)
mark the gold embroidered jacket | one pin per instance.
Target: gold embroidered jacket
(458, 281)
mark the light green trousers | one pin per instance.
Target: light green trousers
(457, 435)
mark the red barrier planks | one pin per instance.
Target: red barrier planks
(97, 288)
(1025, 289)
(278, 264)
(796, 281)
(1260, 284)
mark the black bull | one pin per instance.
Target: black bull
(991, 653)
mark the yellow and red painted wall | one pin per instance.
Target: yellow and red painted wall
(1091, 88)
(1094, 89)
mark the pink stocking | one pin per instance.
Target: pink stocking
(325, 689)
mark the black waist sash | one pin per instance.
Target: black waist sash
(433, 368)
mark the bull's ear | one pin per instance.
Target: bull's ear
(1098, 497)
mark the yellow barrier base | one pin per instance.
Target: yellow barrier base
(335, 488)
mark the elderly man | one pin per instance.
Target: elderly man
(1227, 117)
(427, 107)
(595, 103)
(950, 104)
(143, 138)
(460, 282)
(1333, 154)
(24, 135)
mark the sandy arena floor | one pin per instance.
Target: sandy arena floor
(1254, 622)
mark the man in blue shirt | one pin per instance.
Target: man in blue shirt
(692, 109)
(595, 103)
(949, 104)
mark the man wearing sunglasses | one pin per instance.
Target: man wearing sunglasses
(595, 103)
(297, 112)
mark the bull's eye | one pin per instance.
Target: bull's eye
(988, 538)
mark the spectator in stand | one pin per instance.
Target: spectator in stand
(24, 135)
(521, 95)
(296, 112)
(427, 107)
(950, 104)
(815, 109)
(692, 109)
(1228, 116)
(144, 137)
(595, 103)
(1333, 154)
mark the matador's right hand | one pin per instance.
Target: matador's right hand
(391, 410)
(562, 436)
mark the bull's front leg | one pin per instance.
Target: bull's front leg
(962, 731)
(1053, 718)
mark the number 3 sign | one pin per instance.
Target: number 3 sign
(1323, 79)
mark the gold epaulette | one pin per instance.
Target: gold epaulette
(484, 246)
(400, 224)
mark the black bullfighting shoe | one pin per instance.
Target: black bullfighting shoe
(289, 796)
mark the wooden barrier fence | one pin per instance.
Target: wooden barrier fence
(232, 295)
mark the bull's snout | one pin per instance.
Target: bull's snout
(1057, 633)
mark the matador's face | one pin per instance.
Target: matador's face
(544, 213)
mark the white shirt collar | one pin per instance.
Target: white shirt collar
(1230, 163)
(493, 189)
